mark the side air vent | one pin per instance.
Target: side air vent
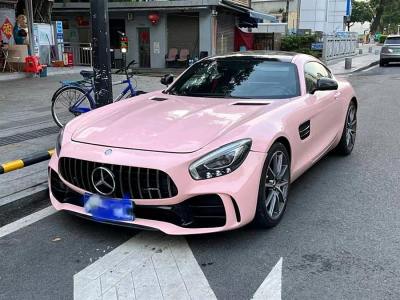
(158, 98)
(251, 103)
(304, 130)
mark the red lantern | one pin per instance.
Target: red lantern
(154, 18)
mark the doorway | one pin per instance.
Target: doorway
(144, 47)
(183, 32)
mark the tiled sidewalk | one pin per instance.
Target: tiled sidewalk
(359, 61)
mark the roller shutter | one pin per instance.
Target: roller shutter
(225, 33)
(183, 32)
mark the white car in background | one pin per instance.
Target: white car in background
(390, 51)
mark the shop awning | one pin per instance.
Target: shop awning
(248, 17)
(261, 16)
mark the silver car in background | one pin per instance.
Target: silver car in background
(390, 51)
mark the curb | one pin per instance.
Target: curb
(17, 204)
(375, 63)
(22, 75)
(13, 76)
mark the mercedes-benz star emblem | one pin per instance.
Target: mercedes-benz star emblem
(108, 152)
(103, 181)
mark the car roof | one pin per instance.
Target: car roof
(275, 55)
(393, 36)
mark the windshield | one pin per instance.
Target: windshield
(250, 78)
(393, 41)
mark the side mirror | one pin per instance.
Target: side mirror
(326, 84)
(167, 79)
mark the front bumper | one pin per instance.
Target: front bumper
(231, 199)
(390, 57)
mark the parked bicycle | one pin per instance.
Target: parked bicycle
(74, 98)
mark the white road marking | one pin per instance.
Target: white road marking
(148, 266)
(26, 221)
(271, 288)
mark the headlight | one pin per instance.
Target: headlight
(387, 50)
(222, 161)
(59, 142)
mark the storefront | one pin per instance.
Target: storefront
(23, 32)
(159, 31)
(14, 35)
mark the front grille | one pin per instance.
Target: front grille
(205, 211)
(130, 182)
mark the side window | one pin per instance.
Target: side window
(314, 71)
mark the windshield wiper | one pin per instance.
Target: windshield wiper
(209, 95)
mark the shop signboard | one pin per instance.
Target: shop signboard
(60, 39)
(35, 39)
(349, 7)
(317, 46)
(59, 30)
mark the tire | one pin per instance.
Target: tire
(348, 138)
(382, 63)
(63, 99)
(274, 188)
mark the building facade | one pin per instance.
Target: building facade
(277, 8)
(327, 16)
(203, 27)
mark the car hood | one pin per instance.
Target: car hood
(167, 123)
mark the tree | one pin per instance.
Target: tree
(362, 12)
(386, 15)
(379, 7)
(391, 17)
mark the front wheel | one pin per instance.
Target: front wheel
(274, 187)
(69, 102)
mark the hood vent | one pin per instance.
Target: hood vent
(158, 98)
(251, 103)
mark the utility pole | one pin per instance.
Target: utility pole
(29, 9)
(101, 52)
(287, 12)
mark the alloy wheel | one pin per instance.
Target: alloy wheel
(351, 127)
(277, 184)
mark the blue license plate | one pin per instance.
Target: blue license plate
(103, 208)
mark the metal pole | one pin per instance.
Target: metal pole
(287, 11)
(101, 52)
(29, 11)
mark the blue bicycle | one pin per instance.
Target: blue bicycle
(74, 98)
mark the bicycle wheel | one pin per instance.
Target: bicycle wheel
(69, 102)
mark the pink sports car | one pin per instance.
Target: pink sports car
(214, 151)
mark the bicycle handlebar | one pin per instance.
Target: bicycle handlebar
(125, 70)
